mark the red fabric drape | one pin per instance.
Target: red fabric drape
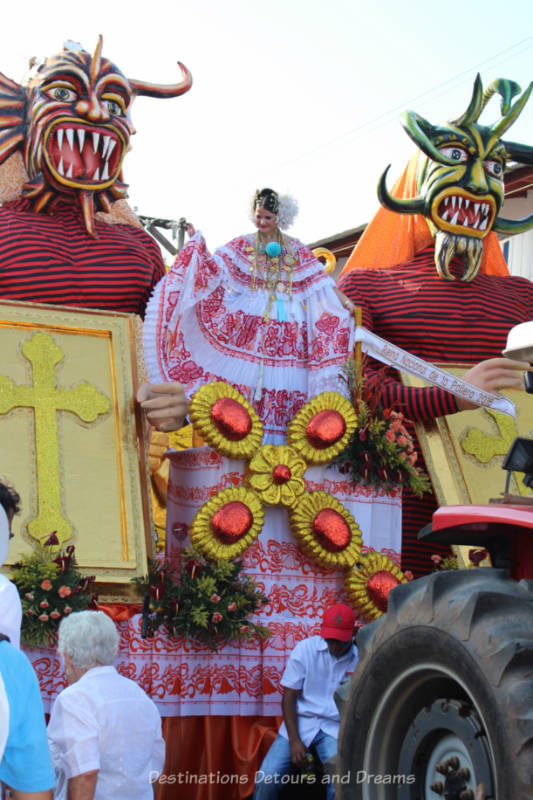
(120, 612)
(223, 752)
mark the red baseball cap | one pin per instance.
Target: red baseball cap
(338, 622)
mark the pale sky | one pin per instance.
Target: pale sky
(300, 95)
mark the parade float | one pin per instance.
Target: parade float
(260, 518)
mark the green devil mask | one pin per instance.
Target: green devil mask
(460, 187)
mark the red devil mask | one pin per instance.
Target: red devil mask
(72, 123)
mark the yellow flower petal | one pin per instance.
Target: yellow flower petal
(220, 431)
(261, 481)
(272, 495)
(261, 462)
(290, 492)
(358, 582)
(303, 517)
(335, 428)
(203, 535)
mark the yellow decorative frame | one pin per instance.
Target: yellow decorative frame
(464, 452)
(84, 473)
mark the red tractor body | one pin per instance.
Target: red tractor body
(490, 526)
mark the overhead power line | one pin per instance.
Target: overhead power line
(429, 95)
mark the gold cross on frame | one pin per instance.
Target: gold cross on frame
(484, 447)
(46, 399)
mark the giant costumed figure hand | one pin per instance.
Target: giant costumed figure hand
(164, 404)
(492, 375)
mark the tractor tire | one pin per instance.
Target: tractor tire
(441, 701)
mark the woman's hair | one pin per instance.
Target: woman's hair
(89, 638)
(9, 497)
(268, 199)
(283, 206)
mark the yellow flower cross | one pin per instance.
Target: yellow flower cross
(228, 523)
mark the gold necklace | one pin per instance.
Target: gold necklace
(271, 282)
(273, 268)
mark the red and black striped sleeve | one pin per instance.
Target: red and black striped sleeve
(50, 258)
(417, 403)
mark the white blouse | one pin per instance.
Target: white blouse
(106, 722)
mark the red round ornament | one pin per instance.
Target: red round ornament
(331, 530)
(231, 522)
(231, 418)
(325, 428)
(378, 587)
(281, 474)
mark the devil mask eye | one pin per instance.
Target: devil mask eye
(456, 153)
(113, 107)
(493, 168)
(62, 94)
(115, 104)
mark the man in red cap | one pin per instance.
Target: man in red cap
(316, 668)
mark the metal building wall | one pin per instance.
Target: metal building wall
(519, 249)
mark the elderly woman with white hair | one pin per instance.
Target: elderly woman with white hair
(104, 731)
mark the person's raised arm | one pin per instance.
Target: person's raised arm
(424, 403)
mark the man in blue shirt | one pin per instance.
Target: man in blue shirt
(25, 764)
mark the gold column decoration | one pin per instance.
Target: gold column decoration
(84, 400)
(330, 262)
(464, 452)
(358, 351)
